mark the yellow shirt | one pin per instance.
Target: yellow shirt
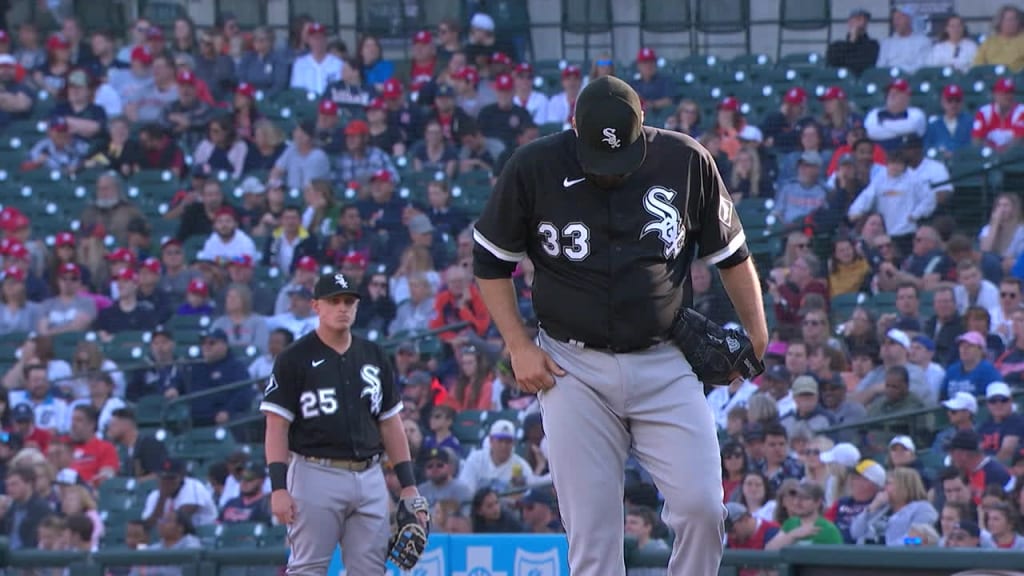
(849, 277)
(1001, 50)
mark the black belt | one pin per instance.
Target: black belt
(611, 349)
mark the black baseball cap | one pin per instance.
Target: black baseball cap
(22, 413)
(965, 440)
(609, 122)
(329, 285)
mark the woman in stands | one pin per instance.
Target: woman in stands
(603, 65)
(37, 350)
(322, 211)
(888, 520)
(414, 259)
(756, 494)
(267, 146)
(848, 271)
(1006, 45)
(810, 141)
(52, 75)
(104, 397)
(814, 469)
(183, 39)
(376, 70)
(1003, 522)
(76, 499)
(955, 48)
(1003, 236)
(222, 150)
(734, 470)
(954, 513)
(244, 111)
(243, 327)
(836, 118)
(747, 178)
(686, 119)
(733, 128)
(490, 517)
(433, 154)
(88, 360)
(786, 500)
(474, 385)
(18, 314)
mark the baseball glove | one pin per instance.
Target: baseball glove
(715, 354)
(410, 538)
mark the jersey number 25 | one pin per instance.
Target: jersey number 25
(323, 401)
(577, 234)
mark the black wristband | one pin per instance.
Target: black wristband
(278, 476)
(406, 474)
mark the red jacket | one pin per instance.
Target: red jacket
(448, 311)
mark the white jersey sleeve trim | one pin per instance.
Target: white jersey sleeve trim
(276, 409)
(497, 252)
(729, 249)
(391, 413)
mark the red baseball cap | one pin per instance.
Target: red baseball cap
(197, 286)
(1004, 86)
(70, 269)
(504, 82)
(356, 259)
(58, 124)
(245, 261)
(469, 74)
(375, 104)
(151, 264)
(392, 89)
(12, 219)
(246, 89)
(729, 103)
(523, 68)
(572, 70)
(795, 95)
(122, 255)
(14, 273)
(57, 42)
(501, 58)
(357, 128)
(646, 55)
(381, 176)
(128, 274)
(154, 33)
(423, 37)
(833, 93)
(328, 108)
(170, 242)
(899, 84)
(64, 239)
(307, 263)
(17, 251)
(141, 54)
(953, 92)
(315, 28)
(186, 77)
(225, 211)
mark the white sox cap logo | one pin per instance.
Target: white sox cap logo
(340, 281)
(610, 137)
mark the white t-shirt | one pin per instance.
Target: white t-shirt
(239, 245)
(51, 413)
(480, 471)
(721, 402)
(192, 493)
(313, 76)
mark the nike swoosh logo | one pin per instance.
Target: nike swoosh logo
(318, 362)
(567, 183)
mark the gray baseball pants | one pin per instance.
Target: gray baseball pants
(648, 402)
(335, 506)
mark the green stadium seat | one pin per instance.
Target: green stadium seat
(468, 427)
(492, 416)
(274, 536)
(802, 60)
(238, 534)
(203, 443)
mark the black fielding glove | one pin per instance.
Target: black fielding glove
(715, 354)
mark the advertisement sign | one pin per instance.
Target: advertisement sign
(484, 555)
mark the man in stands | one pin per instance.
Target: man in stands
(227, 241)
(128, 313)
(51, 413)
(23, 509)
(24, 426)
(318, 68)
(252, 504)
(782, 128)
(219, 367)
(141, 455)
(460, 301)
(441, 486)
(972, 373)
(95, 460)
(1000, 123)
(1001, 433)
(654, 89)
(807, 525)
(857, 51)
(887, 125)
(981, 471)
(539, 515)
(180, 494)
(905, 49)
(866, 481)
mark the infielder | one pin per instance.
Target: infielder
(612, 214)
(332, 409)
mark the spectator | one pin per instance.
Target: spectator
(317, 69)
(478, 152)
(222, 150)
(300, 318)
(904, 49)
(654, 88)
(777, 464)
(561, 105)
(533, 101)
(69, 310)
(460, 302)
(95, 460)
(86, 121)
(424, 60)
(446, 218)
(1000, 123)
(945, 326)
(219, 367)
(540, 517)
(960, 411)
(158, 151)
(15, 98)
(952, 130)
(351, 90)
(901, 198)
(799, 283)
(496, 465)
(141, 456)
(973, 290)
(51, 533)
(383, 135)
(227, 241)
(262, 67)
(441, 486)
(1006, 45)
(176, 530)
(955, 48)
(58, 151)
(266, 147)
(808, 412)
(441, 419)
(744, 531)
(216, 70)
(797, 199)
(1011, 363)
(489, 516)
(402, 117)
(29, 54)
(1002, 520)
(867, 481)
(263, 365)
(243, 327)
(291, 241)
(146, 98)
(933, 173)
(23, 510)
(111, 209)
(377, 307)
(161, 369)
(179, 494)
(414, 314)
(360, 161)
(128, 313)
(304, 274)
(641, 522)
(187, 116)
(807, 525)
(857, 51)
(888, 124)
(1003, 235)
(981, 471)
(887, 520)
(972, 373)
(18, 314)
(51, 76)
(434, 154)
(382, 211)
(252, 503)
(782, 129)
(1002, 432)
(474, 385)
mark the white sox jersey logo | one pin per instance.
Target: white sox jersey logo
(371, 376)
(667, 223)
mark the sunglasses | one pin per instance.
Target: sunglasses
(734, 455)
(434, 465)
(998, 400)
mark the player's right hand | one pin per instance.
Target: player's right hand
(534, 368)
(282, 507)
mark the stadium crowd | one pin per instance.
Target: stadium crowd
(375, 182)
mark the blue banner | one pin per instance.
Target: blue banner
(484, 555)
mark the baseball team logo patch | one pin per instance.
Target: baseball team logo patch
(610, 138)
(725, 211)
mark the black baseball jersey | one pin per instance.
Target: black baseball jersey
(333, 401)
(610, 263)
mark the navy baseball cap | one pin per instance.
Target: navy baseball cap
(538, 496)
(218, 334)
(329, 285)
(172, 467)
(22, 413)
(445, 91)
(609, 125)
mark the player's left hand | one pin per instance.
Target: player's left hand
(412, 519)
(410, 493)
